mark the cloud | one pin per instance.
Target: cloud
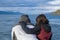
(29, 6)
(12, 3)
(52, 8)
(31, 10)
(54, 2)
(19, 3)
(26, 10)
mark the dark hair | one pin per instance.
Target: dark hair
(45, 25)
(40, 16)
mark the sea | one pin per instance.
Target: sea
(8, 21)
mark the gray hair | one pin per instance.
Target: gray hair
(24, 18)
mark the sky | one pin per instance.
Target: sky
(30, 6)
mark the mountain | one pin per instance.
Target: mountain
(10, 13)
(52, 15)
(57, 12)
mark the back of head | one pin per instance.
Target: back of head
(24, 18)
(41, 15)
(42, 18)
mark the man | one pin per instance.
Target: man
(24, 30)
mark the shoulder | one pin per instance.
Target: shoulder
(16, 27)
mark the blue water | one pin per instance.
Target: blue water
(9, 21)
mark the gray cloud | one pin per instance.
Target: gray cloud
(31, 10)
(27, 3)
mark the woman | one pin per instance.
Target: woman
(18, 32)
(45, 29)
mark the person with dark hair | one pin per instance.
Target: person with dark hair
(43, 18)
(45, 28)
(24, 30)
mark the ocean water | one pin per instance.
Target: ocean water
(9, 21)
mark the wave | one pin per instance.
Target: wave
(54, 19)
(55, 23)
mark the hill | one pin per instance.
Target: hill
(9, 13)
(57, 12)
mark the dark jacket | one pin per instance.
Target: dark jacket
(34, 30)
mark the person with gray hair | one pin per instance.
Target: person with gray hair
(23, 31)
(25, 18)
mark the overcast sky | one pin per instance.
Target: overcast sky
(30, 6)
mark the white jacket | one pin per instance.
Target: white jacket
(21, 35)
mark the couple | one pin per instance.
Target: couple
(25, 30)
